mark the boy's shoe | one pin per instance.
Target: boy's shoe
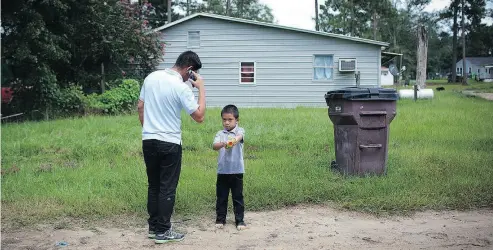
(151, 234)
(241, 225)
(168, 236)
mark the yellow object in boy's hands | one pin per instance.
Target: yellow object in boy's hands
(231, 142)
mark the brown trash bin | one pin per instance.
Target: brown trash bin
(361, 118)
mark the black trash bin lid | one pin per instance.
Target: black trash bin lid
(368, 94)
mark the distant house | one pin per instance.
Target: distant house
(477, 67)
(255, 64)
(386, 78)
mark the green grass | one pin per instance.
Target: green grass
(436, 82)
(440, 157)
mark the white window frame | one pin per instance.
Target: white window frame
(331, 67)
(188, 39)
(254, 73)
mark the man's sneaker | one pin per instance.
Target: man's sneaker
(151, 234)
(241, 225)
(220, 224)
(168, 236)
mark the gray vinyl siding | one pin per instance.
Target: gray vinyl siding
(284, 62)
(474, 68)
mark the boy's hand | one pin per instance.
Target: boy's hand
(219, 145)
(230, 143)
(237, 139)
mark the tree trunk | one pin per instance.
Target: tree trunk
(102, 78)
(188, 7)
(464, 72)
(316, 16)
(422, 56)
(169, 11)
(454, 47)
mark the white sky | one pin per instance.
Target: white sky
(292, 13)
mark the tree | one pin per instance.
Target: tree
(345, 17)
(480, 42)
(393, 21)
(50, 45)
(474, 11)
(246, 9)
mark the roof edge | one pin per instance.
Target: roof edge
(240, 20)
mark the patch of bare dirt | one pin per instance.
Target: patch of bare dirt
(487, 96)
(312, 227)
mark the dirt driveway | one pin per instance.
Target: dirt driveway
(303, 227)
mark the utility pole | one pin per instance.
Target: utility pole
(317, 28)
(169, 11)
(464, 74)
(228, 7)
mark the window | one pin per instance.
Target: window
(247, 72)
(193, 39)
(470, 71)
(478, 71)
(323, 66)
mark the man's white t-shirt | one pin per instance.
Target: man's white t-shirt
(164, 95)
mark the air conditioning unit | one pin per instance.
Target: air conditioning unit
(347, 64)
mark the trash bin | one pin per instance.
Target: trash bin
(361, 118)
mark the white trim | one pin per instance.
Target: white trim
(239, 20)
(254, 73)
(313, 68)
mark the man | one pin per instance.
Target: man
(163, 95)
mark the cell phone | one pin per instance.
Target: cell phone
(191, 75)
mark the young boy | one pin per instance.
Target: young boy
(229, 143)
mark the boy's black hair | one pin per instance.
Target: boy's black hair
(188, 58)
(231, 109)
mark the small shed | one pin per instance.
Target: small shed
(386, 78)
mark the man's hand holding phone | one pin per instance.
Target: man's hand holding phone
(197, 80)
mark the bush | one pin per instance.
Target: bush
(69, 101)
(120, 99)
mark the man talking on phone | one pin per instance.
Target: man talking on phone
(162, 97)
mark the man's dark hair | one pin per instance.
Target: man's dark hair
(231, 109)
(188, 58)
